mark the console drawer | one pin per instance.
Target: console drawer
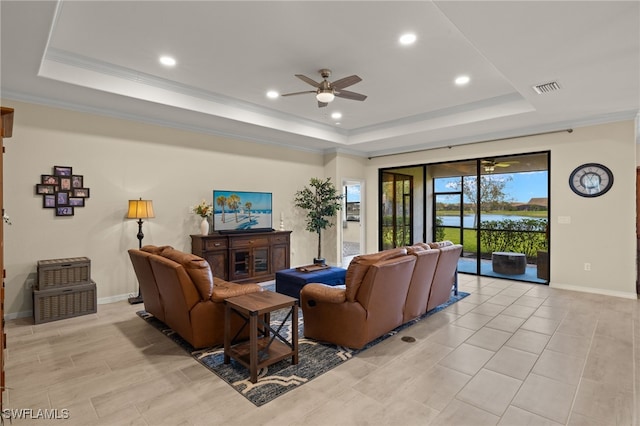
(249, 242)
(279, 239)
(215, 244)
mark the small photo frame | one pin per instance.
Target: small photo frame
(45, 189)
(49, 201)
(65, 183)
(64, 211)
(77, 181)
(80, 192)
(76, 201)
(62, 199)
(49, 180)
(62, 171)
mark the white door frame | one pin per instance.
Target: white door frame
(361, 183)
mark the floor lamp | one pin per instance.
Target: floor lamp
(139, 209)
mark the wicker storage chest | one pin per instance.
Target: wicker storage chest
(57, 273)
(66, 302)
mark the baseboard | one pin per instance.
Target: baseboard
(112, 299)
(16, 315)
(604, 292)
(101, 301)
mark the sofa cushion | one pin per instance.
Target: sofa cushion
(198, 269)
(224, 289)
(154, 249)
(418, 247)
(360, 265)
(440, 244)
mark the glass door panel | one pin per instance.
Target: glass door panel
(513, 216)
(260, 261)
(395, 210)
(240, 263)
(448, 220)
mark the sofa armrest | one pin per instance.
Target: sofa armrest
(323, 293)
(224, 290)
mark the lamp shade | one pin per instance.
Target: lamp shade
(140, 209)
(325, 96)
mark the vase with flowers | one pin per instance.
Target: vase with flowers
(204, 210)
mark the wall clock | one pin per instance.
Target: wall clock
(591, 180)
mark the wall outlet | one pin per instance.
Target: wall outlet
(30, 282)
(587, 266)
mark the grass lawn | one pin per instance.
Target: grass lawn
(469, 235)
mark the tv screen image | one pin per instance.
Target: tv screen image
(242, 211)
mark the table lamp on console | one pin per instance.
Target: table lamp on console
(139, 209)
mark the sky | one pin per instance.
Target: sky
(526, 186)
(353, 193)
(521, 188)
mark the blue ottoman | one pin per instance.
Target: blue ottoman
(291, 281)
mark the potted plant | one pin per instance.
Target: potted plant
(322, 202)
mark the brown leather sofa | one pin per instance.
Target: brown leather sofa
(446, 273)
(371, 304)
(179, 289)
(382, 291)
(421, 280)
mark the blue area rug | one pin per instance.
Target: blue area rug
(314, 358)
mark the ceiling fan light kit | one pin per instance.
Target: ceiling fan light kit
(325, 96)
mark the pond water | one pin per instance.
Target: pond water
(468, 219)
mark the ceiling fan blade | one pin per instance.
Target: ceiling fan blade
(350, 95)
(346, 82)
(502, 164)
(307, 80)
(322, 104)
(298, 93)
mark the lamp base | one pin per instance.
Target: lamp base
(135, 300)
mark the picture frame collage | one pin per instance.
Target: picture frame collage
(62, 191)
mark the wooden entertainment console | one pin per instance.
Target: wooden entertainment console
(244, 257)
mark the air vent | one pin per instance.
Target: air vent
(551, 86)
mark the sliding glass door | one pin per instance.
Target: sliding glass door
(497, 208)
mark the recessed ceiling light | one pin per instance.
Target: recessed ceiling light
(272, 94)
(407, 39)
(462, 80)
(167, 60)
(336, 115)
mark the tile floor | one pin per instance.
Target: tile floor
(511, 353)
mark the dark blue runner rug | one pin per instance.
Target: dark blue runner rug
(314, 358)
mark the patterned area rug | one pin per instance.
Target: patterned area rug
(314, 358)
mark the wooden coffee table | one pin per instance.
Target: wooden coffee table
(266, 344)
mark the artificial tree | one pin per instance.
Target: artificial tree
(322, 202)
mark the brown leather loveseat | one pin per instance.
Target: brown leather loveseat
(179, 289)
(382, 291)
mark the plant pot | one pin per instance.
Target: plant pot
(542, 264)
(320, 261)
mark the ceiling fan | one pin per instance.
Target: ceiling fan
(490, 165)
(326, 90)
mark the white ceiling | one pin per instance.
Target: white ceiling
(102, 57)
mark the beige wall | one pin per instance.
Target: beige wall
(123, 160)
(602, 229)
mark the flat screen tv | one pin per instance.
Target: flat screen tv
(242, 211)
